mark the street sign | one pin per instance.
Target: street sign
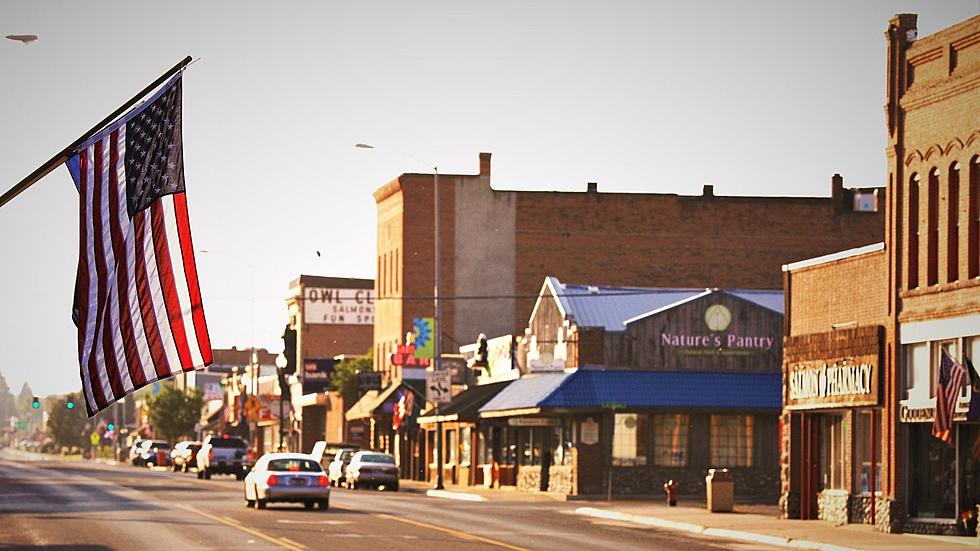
(438, 386)
(369, 380)
(95, 439)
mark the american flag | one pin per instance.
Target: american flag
(137, 298)
(951, 377)
(403, 409)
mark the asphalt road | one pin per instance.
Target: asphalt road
(47, 504)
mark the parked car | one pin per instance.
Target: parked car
(149, 453)
(336, 469)
(184, 455)
(223, 454)
(375, 469)
(134, 451)
(287, 477)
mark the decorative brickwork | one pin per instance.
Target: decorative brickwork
(833, 506)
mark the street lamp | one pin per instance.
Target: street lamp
(438, 312)
(281, 364)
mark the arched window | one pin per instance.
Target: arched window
(953, 224)
(974, 220)
(932, 271)
(913, 263)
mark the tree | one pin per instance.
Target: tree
(173, 413)
(25, 399)
(67, 426)
(344, 378)
(8, 404)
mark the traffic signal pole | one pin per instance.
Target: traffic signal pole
(437, 363)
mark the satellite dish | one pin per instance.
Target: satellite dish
(24, 38)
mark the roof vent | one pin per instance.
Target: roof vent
(593, 290)
(592, 187)
(708, 190)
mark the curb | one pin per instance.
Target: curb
(455, 495)
(713, 532)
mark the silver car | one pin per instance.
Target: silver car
(369, 468)
(287, 477)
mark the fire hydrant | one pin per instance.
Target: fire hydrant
(670, 488)
(161, 458)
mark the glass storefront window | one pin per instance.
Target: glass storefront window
(731, 440)
(970, 457)
(863, 437)
(464, 447)
(630, 436)
(449, 443)
(932, 474)
(483, 446)
(918, 373)
(670, 440)
(832, 445)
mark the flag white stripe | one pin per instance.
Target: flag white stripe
(122, 360)
(92, 302)
(180, 280)
(100, 367)
(159, 301)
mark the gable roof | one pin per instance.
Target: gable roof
(610, 307)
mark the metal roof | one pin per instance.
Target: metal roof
(525, 392)
(611, 307)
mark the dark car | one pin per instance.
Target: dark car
(153, 453)
(224, 454)
(184, 456)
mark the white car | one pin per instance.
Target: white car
(287, 477)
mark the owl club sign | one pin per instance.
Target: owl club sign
(716, 338)
(338, 306)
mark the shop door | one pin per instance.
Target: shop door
(809, 464)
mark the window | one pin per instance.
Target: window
(670, 440)
(450, 444)
(731, 440)
(832, 446)
(932, 272)
(864, 434)
(464, 447)
(953, 224)
(918, 373)
(532, 439)
(913, 263)
(630, 440)
(562, 444)
(973, 239)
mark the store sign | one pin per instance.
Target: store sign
(844, 382)
(338, 306)
(532, 422)
(717, 340)
(404, 356)
(316, 374)
(589, 432)
(368, 380)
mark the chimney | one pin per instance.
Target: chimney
(484, 164)
(592, 187)
(708, 190)
(837, 191)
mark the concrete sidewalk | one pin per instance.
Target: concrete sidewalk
(750, 523)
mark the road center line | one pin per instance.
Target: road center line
(457, 533)
(281, 542)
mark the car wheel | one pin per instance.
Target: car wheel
(200, 475)
(207, 474)
(260, 503)
(176, 468)
(239, 476)
(324, 504)
(248, 502)
(394, 487)
(308, 505)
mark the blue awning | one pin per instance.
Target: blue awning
(640, 389)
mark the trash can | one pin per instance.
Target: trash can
(721, 490)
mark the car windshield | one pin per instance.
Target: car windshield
(227, 443)
(377, 458)
(294, 465)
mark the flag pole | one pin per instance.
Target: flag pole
(65, 153)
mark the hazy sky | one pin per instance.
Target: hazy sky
(757, 98)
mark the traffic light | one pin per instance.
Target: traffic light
(70, 404)
(36, 404)
(110, 427)
(289, 349)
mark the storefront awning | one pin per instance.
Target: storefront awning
(372, 402)
(623, 389)
(465, 406)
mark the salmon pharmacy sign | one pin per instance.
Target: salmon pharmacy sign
(338, 306)
(844, 382)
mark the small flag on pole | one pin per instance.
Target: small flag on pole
(951, 377)
(138, 304)
(974, 413)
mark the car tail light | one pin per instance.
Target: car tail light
(251, 455)
(272, 481)
(324, 481)
(210, 455)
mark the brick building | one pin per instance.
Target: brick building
(928, 273)
(503, 243)
(328, 317)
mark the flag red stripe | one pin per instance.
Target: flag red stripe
(100, 276)
(190, 271)
(134, 364)
(160, 363)
(166, 274)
